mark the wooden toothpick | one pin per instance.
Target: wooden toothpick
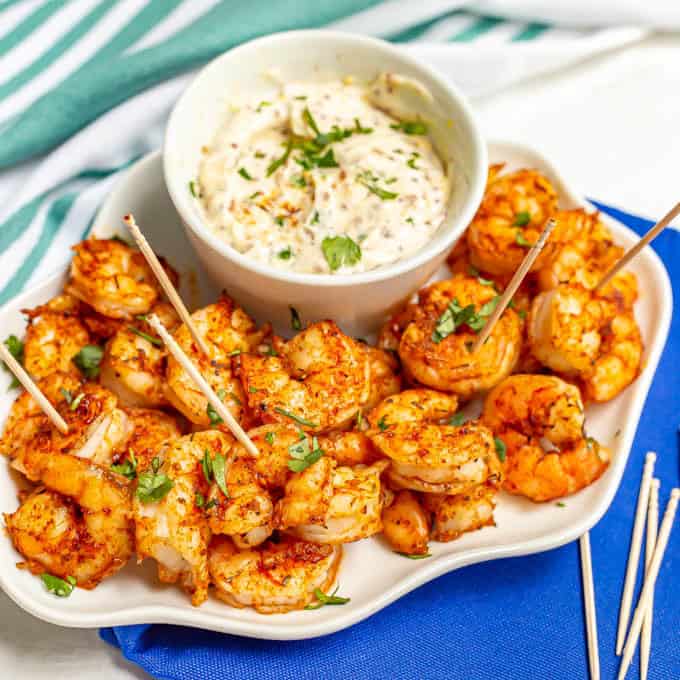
(186, 363)
(650, 542)
(634, 553)
(514, 284)
(650, 580)
(26, 380)
(589, 602)
(165, 282)
(649, 236)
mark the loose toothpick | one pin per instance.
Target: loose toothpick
(26, 380)
(514, 284)
(650, 581)
(634, 554)
(652, 529)
(165, 282)
(649, 236)
(186, 363)
(589, 602)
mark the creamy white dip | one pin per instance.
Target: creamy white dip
(322, 179)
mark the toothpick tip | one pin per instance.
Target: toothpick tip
(650, 457)
(675, 494)
(656, 483)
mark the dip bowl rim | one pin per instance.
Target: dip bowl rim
(443, 239)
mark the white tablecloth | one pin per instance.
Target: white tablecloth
(610, 124)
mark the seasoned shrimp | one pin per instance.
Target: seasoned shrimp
(246, 513)
(133, 365)
(319, 380)
(354, 507)
(227, 331)
(406, 525)
(587, 258)
(97, 427)
(275, 577)
(427, 455)
(173, 528)
(435, 347)
(540, 419)
(577, 333)
(55, 334)
(452, 516)
(81, 526)
(113, 278)
(385, 378)
(513, 212)
(349, 448)
(151, 429)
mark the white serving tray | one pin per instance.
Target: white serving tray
(371, 574)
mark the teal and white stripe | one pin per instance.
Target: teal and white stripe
(86, 86)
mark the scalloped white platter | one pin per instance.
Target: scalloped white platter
(370, 573)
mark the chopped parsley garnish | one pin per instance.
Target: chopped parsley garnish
(269, 438)
(261, 105)
(303, 453)
(411, 127)
(193, 189)
(245, 174)
(299, 181)
(76, 401)
(340, 251)
(285, 254)
(309, 121)
(485, 282)
(292, 416)
(219, 464)
(411, 162)
(16, 349)
(522, 313)
(410, 220)
(315, 218)
(323, 599)
(128, 468)
(254, 195)
(368, 179)
(458, 419)
(199, 500)
(206, 465)
(215, 418)
(68, 397)
(382, 424)
(295, 322)
(560, 504)
(253, 390)
(455, 316)
(522, 219)
(88, 360)
(278, 162)
(279, 219)
(259, 154)
(359, 419)
(311, 160)
(521, 241)
(58, 586)
(301, 97)
(501, 448)
(149, 338)
(359, 129)
(152, 485)
(413, 556)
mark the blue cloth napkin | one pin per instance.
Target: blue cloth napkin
(513, 618)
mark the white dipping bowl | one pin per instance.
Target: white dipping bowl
(358, 302)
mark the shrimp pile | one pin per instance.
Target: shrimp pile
(353, 441)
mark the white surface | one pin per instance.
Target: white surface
(587, 119)
(134, 596)
(361, 298)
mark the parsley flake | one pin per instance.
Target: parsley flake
(88, 360)
(269, 438)
(215, 418)
(128, 468)
(193, 189)
(501, 448)
(522, 219)
(58, 586)
(245, 174)
(411, 127)
(340, 251)
(458, 419)
(16, 349)
(521, 241)
(303, 453)
(219, 470)
(368, 179)
(382, 424)
(323, 599)
(292, 416)
(295, 322)
(149, 338)
(455, 316)
(414, 556)
(285, 254)
(153, 486)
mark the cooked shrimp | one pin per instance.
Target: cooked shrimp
(427, 455)
(406, 525)
(587, 258)
(274, 578)
(113, 278)
(349, 448)
(580, 334)
(133, 365)
(54, 336)
(151, 429)
(173, 529)
(385, 378)
(354, 509)
(97, 427)
(246, 513)
(513, 212)
(319, 380)
(540, 420)
(227, 331)
(90, 541)
(452, 516)
(435, 347)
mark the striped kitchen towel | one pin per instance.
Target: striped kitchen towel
(86, 85)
